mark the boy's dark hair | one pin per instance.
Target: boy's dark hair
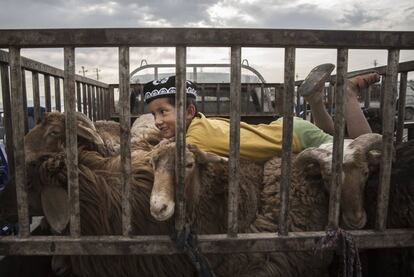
(165, 88)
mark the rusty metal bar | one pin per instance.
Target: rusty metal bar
(401, 107)
(180, 131)
(338, 143)
(71, 140)
(18, 140)
(286, 169)
(78, 97)
(234, 154)
(5, 85)
(388, 113)
(24, 92)
(124, 120)
(220, 243)
(206, 37)
(85, 98)
(58, 104)
(48, 103)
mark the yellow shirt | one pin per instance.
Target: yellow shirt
(257, 142)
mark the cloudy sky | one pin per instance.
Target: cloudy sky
(294, 14)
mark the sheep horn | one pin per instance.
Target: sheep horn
(307, 159)
(371, 145)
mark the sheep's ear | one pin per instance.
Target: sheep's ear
(55, 204)
(205, 157)
(90, 135)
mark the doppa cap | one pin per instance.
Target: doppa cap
(165, 87)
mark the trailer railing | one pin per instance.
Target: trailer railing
(181, 38)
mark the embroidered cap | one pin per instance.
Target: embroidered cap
(165, 87)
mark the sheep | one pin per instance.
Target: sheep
(101, 214)
(205, 190)
(393, 262)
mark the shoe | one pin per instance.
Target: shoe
(315, 81)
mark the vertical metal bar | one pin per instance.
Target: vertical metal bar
(195, 77)
(234, 157)
(155, 73)
(24, 92)
(90, 101)
(330, 99)
(85, 98)
(124, 120)
(99, 103)
(71, 140)
(286, 170)
(262, 97)
(297, 111)
(248, 94)
(47, 93)
(94, 103)
(111, 90)
(18, 140)
(401, 107)
(203, 93)
(78, 97)
(382, 92)
(387, 137)
(5, 85)
(58, 104)
(218, 98)
(36, 96)
(367, 97)
(338, 143)
(180, 130)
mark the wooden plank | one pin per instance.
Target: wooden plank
(401, 107)
(286, 168)
(18, 140)
(148, 245)
(218, 37)
(180, 131)
(5, 90)
(388, 115)
(125, 122)
(71, 140)
(338, 143)
(234, 155)
(58, 104)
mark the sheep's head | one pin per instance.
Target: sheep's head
(163, 161)
(49, 136)
(360, 156)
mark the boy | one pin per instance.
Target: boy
(257, 142)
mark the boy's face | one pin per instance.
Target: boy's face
(165, 116)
